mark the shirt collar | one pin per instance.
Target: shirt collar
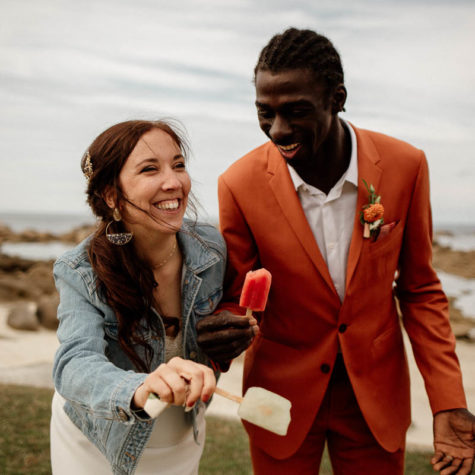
(351, 174)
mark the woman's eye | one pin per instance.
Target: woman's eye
(148, 169)
(180, 165)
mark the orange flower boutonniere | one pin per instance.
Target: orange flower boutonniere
(372, 214)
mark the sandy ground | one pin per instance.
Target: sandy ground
(26, 358)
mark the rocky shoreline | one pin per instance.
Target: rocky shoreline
(27, 286)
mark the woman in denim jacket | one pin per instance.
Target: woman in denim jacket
(130, 297)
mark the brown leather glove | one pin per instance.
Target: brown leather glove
(225, 336)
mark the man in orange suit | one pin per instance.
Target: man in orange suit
(341, 218)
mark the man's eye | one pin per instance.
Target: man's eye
(299, 112)
(264, 114)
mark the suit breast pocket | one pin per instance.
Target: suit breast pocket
(385, 244)
(381, 257)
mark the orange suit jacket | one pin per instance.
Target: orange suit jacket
(301, 329)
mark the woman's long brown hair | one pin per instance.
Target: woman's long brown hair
(124, 280)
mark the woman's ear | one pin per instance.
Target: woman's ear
(110, 197)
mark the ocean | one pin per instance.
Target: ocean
(55, 223)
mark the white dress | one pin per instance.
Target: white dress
(171, 449)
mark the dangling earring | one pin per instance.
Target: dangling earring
(119, 239)
(116, 214)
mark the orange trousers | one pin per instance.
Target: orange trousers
(352, 448)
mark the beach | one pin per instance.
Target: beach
(26, 357)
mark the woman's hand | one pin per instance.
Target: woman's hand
(179, 382)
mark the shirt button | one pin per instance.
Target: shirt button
(342, 328)
(192, 355)
(123, 415)
(325, 368)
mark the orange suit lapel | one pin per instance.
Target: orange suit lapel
(283, 188)
(368, 170)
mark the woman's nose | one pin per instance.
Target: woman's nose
(170, 180)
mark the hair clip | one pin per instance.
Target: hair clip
(88, 171)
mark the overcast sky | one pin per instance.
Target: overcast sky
(69, 69)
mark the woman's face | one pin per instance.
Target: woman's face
(154, 179)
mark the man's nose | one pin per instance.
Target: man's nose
(280, 129)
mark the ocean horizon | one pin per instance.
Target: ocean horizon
(58, 223)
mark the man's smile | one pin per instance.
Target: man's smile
(289, 151)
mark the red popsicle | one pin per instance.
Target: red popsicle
(255, 291)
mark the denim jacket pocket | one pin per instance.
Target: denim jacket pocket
(207, 305)
(114, 351)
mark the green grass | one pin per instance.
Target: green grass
(24, 430)
(24, 439)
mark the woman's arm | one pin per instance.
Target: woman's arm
(82, 373)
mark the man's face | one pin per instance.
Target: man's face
(294, 112)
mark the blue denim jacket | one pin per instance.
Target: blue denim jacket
(92, 372)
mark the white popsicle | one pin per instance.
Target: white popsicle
(262, 408)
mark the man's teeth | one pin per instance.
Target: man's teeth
(173, 204)
(288, 148)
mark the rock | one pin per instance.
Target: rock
(22, 316)
(47, 309)
(40, 277)
(5, 232)
(78, 234)
(16, 286)
(14, 263)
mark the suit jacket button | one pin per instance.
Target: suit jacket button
(342, 328)
(325, 368)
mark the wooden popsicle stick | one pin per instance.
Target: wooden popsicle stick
(228, 395)
(154, 406)
(249, 313)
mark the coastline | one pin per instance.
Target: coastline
(26, 357)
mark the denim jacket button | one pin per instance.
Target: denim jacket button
(123, 415)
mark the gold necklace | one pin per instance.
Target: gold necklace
(161, 264)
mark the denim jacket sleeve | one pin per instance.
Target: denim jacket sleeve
(82, 373)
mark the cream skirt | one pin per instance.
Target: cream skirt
(171, 449)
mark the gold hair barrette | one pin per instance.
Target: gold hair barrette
(88, 171)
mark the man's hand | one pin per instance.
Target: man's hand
(225, 336)
(454, 442)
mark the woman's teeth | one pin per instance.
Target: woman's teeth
(171, 204)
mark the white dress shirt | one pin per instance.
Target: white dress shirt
(331, 216)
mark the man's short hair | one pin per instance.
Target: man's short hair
(303, 49)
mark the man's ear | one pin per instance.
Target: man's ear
(110, 197)
(339, 99)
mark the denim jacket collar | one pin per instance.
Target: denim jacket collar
(198, 255)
